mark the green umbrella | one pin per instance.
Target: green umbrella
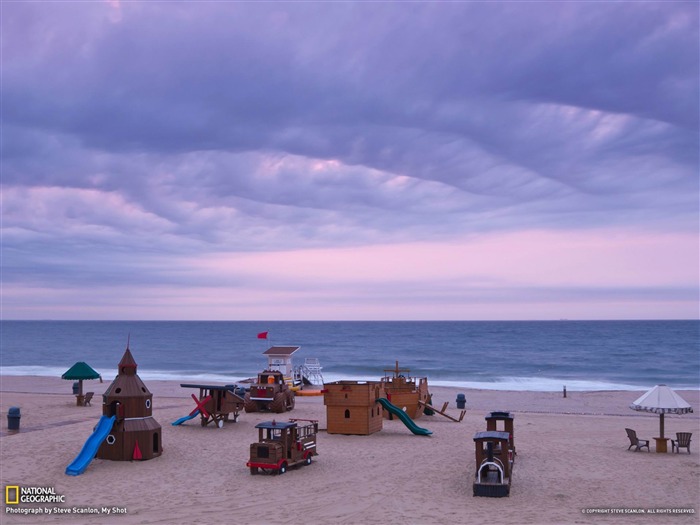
(80, 371)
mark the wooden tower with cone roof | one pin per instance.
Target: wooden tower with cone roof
(135, 433)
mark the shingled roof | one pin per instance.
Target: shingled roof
(281, 350)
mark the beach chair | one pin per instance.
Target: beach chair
(635, 441)
(88, 398)
(682, 440)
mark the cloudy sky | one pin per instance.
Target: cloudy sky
(350, 160)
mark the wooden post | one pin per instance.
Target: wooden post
(564, 390)
(442, 412)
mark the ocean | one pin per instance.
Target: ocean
(500, 355)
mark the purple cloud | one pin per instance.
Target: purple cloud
(140, 129)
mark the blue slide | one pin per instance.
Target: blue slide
(185, 418)
(82, 460)
(403, 416)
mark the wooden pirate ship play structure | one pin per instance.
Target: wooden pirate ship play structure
(215, 404)
(495, 454)
(409, 393)
(135, 434)
(352, 408)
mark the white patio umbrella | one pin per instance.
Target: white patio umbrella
(662, 400)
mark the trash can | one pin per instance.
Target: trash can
(461, 401)
(13, 416)
(429, 411)
(76, 388)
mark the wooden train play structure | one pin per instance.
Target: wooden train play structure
(127, 430)
(495, 455)
(504, 420)
(282, 445)
(215, 404)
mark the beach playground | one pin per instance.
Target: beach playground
(573, 464)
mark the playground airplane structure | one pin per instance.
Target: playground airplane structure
(215, 404)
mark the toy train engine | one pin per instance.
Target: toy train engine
(494, 464)
(283, 445)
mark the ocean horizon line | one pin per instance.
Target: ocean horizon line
(636, 319)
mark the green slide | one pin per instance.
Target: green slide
(393, 409)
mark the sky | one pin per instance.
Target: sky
(350, 160)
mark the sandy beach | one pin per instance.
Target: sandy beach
(572, 465)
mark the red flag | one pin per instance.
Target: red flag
(262, 335)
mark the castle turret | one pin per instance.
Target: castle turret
(135, 434)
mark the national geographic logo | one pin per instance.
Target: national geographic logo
(11, 494)
(14, 495)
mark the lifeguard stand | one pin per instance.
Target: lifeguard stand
(352, 408)
(280, 358)
(507, 418)
(312, 371)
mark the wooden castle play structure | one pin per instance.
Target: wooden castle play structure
(495, 455)
(352, 407)
(135, 433)
(127, 430)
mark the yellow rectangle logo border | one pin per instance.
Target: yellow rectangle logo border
(7, 495)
